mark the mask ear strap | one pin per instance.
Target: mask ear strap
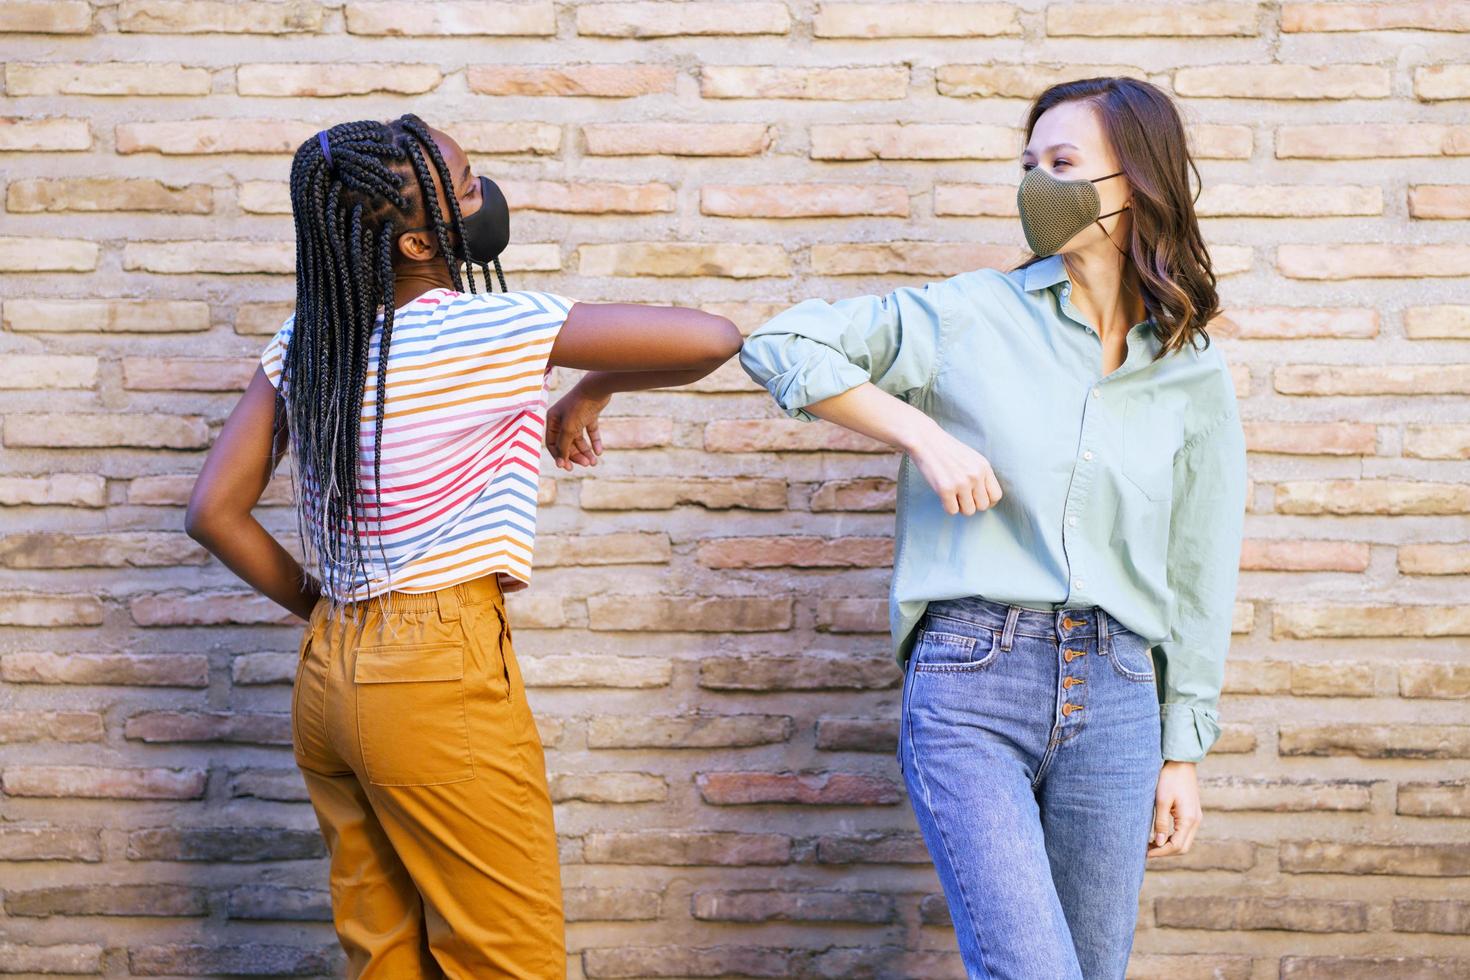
(1098, 222)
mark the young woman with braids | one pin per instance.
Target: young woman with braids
(415, 409)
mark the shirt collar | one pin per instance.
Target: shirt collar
(1047, 272)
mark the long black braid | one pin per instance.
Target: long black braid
(350, 200)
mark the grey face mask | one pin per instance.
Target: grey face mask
(1053, 210)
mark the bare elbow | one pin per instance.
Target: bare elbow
(723, 342)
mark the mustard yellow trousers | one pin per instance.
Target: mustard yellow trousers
(409, 722)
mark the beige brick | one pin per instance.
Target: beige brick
(50, 726)
(830, 84)
(732, 260)
(718, 614)
(1311, 438)
(262, 318)
(1327, 857)
(913, 141)
(532, 257)
(1439, 799)
(582, 671)
(120, 549)
(1430, 322)
(656, 494)
(105, 78)
(601, 81)
(588, 197)
(975, 200)
(1437, 441)
(56, 135)
(51, 958)
(1439, 201)
(305, 80)
(127, 669)
(611, 904)
(218, 16)
(784, 435)
(805, 673)
(1372, 497)
(61, 489)
(1433, 679)
(932, 259)
(1388, 379)
(866, 494)
(48, 371)
(105, 316)
(663, 18)
(67, 431)
(1304, 556)
(1421, 915)
(1270, 81)
(48, 254)
(1295, 322)
(45, 17)
(608, 787)
(1373, 967)
(95, 782)
(219, 257)
(1441, 82)
(40, 609)
(210, 136)
(1220, 912)
(453, 18)
(804, 200)
(1153, 20)
(1235, 793)
(173, 490)
(1332, 141)
(852, 615)
(677, 139)
(500, 138)
(1288, 201)
(187, 373)
(264, 197)
(43, 843)
(1303, 622)
(1434, 559)
(107, 194)
(1333, 679)
(1020, 81)
(1376, 741)
(622, 548)
(687, 848)
(879, 20)
(207, 609)
(1426, 15)
(1363, 261)
(701, 731)
(812, 789)
(636, 432)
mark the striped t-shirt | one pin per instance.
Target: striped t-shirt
(463, 421)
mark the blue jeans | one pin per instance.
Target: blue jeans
(1030, 748)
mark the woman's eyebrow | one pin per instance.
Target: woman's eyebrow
(464, 177)
(1054, 146)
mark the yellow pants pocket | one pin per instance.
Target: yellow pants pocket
(411, 718)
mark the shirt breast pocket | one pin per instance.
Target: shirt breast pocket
(1152, 433)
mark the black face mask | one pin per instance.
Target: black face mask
(487, 231)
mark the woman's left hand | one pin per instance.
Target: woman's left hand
(1177, 813)
(571, 427)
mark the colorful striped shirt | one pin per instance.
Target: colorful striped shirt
(464, 416)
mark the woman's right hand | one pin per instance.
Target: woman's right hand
(963, 479)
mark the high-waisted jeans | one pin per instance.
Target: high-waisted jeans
(1030, 747)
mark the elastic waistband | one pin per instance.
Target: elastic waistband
(1067, 621)
(445, 601)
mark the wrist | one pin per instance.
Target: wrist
(914, 430)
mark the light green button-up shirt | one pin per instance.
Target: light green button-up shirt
(1125, 490)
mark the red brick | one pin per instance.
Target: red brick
(95, 782)
(816, 789)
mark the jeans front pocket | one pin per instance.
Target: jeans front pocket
(1131, 655)
(411, 714)
(938, 650)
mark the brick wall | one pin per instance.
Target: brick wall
(705, 640)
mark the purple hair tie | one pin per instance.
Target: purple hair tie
(321, 139)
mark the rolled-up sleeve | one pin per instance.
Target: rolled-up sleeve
(819, 349)
(1205, 533)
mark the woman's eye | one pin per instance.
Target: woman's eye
(1061, 163)
(1027, 167)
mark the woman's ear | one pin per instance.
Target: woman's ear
(417, 246)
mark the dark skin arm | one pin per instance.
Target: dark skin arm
(624, 347)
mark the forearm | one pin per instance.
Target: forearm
(248, 550)
(605, 384)
(870, 411)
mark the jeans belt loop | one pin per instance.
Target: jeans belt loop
(1013, 614)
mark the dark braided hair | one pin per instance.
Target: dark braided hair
(353, 192)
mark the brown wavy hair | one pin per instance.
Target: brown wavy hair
(1147, 135)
